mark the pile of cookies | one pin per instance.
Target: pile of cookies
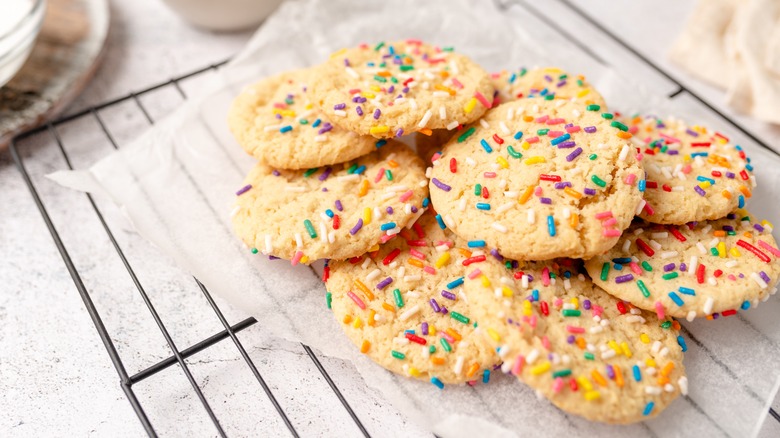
(546, 237)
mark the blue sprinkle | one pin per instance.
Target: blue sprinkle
(738, 147)
(551, 226)
(648, 409)
(360, 170)
(749, 167)
(622, 260)
(486, 146)
(329, 212)
(381, 143)
(560, 139)
(485, 376)
(518, 135)
(411, 332)
(437, 382)
(642, 185)
(476, 243)
(687, 291)
(618, 266)
(284, 129)
(455, 283)
(676, 298)
(483, 206)
(535, 294)
(700, 154)
(637, 373)
(440, 221)
(387, 226)
(683, 345)
(512, 78)
(741, 201)
(316, 123)
(425, 202)
(704, 178)
(745, 305)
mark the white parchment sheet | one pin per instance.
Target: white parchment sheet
(176, 184)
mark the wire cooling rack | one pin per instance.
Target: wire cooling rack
(178, 355)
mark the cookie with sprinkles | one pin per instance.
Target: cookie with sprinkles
(334, 212)
(548, 83)
(709, 268)
(587, 352)
(275, 121)
(391, 89)
(539, 179)
(403, 306)
(693, 173)
(428, 145)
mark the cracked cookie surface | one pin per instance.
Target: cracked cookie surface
(548, 83)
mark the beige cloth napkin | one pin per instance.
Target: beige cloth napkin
(735, 44)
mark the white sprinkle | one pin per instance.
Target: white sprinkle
(448, 221)
(623, 153)
(235, 210)
(484, 123)
(425, 119)
(708, 305)
(653, 390)
(411, 278)
(272, 128)
(298, 241)
(413, 103)
(609, 354)
(691, 315)
(470, 161)
(373, 274)
(668, 254)
(504, 128)
(323, 233)
(692, 265)
(655, 347)
(442, 112)
(332, 236)
(462, 204)
(340, 113)
(663, 235)
(531, 216)
(511, 195)
(453, 125)
(641, 206)
(655, 245)
(633, 319)
(352, 177)
(268, 244)
(498, 227)
(504, 207)
(454, 68)
(713, 242)
(352, 72)
(683, 384)
(409, 313)
(510, 114)
(320, 138)
(626, 245)
(532, 356)
(458, 368)
(297, 189)
(566, 213)
(760, 281)
(731, 264)
(365, 264)
(440, 93)
(701, 248)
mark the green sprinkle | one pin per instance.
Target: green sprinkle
(379, 46)
(432, 349)
(393, 80)
(459, 317)
(670, 275)
(731, 233)
(513, 153)
(643, 288)
(714, 251)
(445, 345)
(550, 96)
(543, 131)
(592, 157)
(477, 189)
(580, 83)
(310, 229)
(562, 373)
(389, 175)
(398, 354)
(352, 169)
(618, 125)
(448, 49)
(607, 116)
(604, 271)
(664, 149)
(598, 181)
(303, 122)
(593, 107)
(253, 250)
(589, 355)
(289, 101)
(647, 266)
(380, 79)
(309, 172)
(399, 300)
(508, 264)
(466, 134)
(571, 312)
(666, 325)
(523, 71)
(329, 299)
(407, 67)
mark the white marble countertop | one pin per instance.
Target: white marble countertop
(55, 375)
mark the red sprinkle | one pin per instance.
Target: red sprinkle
(676, 233)
(744, 174)
(651, 184)
(545, 177)
(336, 222)
(416, 339)
(355, 260)
(418, 242)
(728, 312)
(760, 254)
(475, 259)
(485, 193)
(716, 173)
(498, 139)
(390, 257)
(645, 247)
(717, 273)
(701, 145)
(573, 384)
(700, 274)
(453, 165)
(667, 187)
(621, 306)
(545, 308)
(418, 229)
(326, 274)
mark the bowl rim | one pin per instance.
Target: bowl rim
(31, 14)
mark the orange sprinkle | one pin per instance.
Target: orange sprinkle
(573, 193)
(726, 194)
(748, 234)
(675, 325)
(426, 131)
(392, 163)
(618, 376)
(371, 314)
(455, 335)
(443, 88)
(347, 319)
(598, 378)
(574, 220)
(528, 118)
(364, 347)
(389, 307)
(472, 370)
(719, 233)
(437, 360)
(745, 191)
(363, 188)
(363, 288)
(415, 262)
(384, 74)
(667, 369)
(464, 252)
(581, 343)
(624, 134)
(526, 195)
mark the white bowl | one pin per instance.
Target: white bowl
(224, 15)
(19, 27)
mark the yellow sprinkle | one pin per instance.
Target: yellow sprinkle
(592, 395)
(598, 378)
(541, 368)
(414, 372)
(442, 260)
(485, 281)
(309, 106)
(507, 292)
(705, 184)
(376, 88)
(432, 330)
(583, 93)
(526, 195)
(368, 95)
(626, 350)
(575, 302)
(358, 323)
(527, 309)
(371, 314)
(366, 216)
(537, 159)
(502, 162)
(493, 334)
(573, 193)
(364, 347)
(363, 190)
(614, 346)
(687, 159)
(735, 252)
(650, 363)
(525, 145)
(363, 288)
(470, 105)
(585, 383)
(338, 52)
(553, 70)
(304, 259)
(379, 129)
(284, 113)
(766, 223)
(374, 248)
(722, 250)
(644, 338)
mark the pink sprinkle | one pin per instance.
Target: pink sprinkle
(435, 157)
(357, 300)
(732, 277)
(482, 99)
(555, 134)
(609, 222)
(457, 83)
(354, 91)
(386, 237)
(489, 174)
(687, 169)
(604, 215)
(649, 209)
(558, 302)
(532, 140)
(379, 175)
(416, 254)
(546, 276)
(572, 129)
(542, 119)
(659, 310)
(635, 268)
(297, 258)
(775, 252)
(668, 138)
(639, 156)
(447, 336)
(557, 121)
(405, 197)
(447, 243)
(532, 321)
(575, 329)
(474, 274)
(597, 310)
(538, 191)
(280, 105)
(517, 367)
(557, 384)
(546, 342)
(430, 270)
(610, 232)
(629, 179)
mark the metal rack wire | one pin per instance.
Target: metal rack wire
(177, 354)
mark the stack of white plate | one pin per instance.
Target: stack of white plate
(20, 23)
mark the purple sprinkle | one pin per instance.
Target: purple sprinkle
(414, 209)
(278, 116)
(384, 283)
(405, 90)
(765, 277)
(356, 99)
(545, 201)
(588, 191)
(377, 113)
(692, 132)
(570, 339)
(624, 278)
(339, 106)
(244, 189)
(567, 144)
(325, 128)
(276, 172)
(399, 133)
(389, 210)
(590, 129)
(610, 372)
(741, 275)
(669, 267)
(339, 207)
(515, 264)
(560, 84)
(758, 228)
(326, 173)
(435, 305)
(424, 328)
(324, 189)
(548, 78)
(497, 256)
(359, 111)
(441, 185)
(730, 175)
(448, 295)
(672, 152)
(728, 228)
(562, 185)
(444, 310)
(270, 257)
(497, 366)
(699, 190)
(576, 153)
(346, 62)
(391, 89)
(357, 226)
(586, 304)
(731, 216)
(683, 267)
(530, 277)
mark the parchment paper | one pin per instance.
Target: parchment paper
(176, 184)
